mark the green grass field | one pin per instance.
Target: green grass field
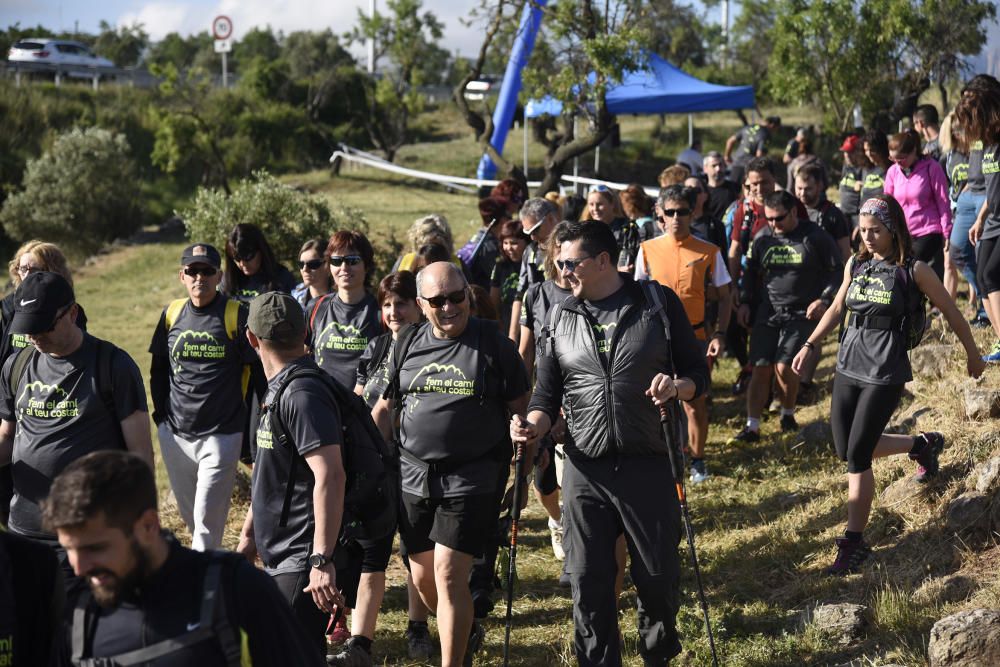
(765, 521)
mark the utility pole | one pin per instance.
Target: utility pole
(725, 32)
(371, 40)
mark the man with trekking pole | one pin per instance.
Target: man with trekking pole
(607, 359)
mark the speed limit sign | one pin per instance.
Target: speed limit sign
(222, 27)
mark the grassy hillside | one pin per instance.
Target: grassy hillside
(765, 521)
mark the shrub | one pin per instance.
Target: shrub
(80, 193)
(287, 216)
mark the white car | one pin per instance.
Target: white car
(57, 52)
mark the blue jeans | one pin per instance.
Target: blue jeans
(963, 253)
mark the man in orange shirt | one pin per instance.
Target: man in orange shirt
(688, 266)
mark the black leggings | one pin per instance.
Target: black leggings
(858, 414)
(930, 250)
(988, 266)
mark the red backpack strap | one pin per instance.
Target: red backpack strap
(319, 302)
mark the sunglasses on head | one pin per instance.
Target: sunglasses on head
(311, 264)
(195, 271)
(458, 296)
(676, 212)
(570, 264)
(352, 260)
(247, 256)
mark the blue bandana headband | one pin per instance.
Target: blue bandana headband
(878, 209)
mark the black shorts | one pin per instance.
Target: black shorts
(545, 478)
(778, 344)
(463, 523)
(376, 553)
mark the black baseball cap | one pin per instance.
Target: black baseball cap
(277, 316)
(40, 298)
(201, 253)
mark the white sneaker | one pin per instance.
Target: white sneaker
(555, 530)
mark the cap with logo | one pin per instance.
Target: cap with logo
(277, 316)
(201, 253)
(37, 302)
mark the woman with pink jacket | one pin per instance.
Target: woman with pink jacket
(918, 183)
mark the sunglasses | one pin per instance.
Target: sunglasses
(676, 212)
(245, 256)
(534, 228)
(195, 271)
(352, 260)
(570, 264)
(59, 316)
(776, 218)
(311, 264)
(458, 296)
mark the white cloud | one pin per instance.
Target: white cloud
(162, 17)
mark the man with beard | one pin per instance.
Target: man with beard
(150, 600)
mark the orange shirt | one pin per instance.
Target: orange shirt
(686, 267)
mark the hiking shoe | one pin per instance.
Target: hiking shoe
(927, 457)
(476, 638)
(788, 424)
(340, 633)
(746, 435)
(418, 641)
(850, 555)
(980, 321)
(993, 356)
(556, 533)
(699, 473)
(353, 655)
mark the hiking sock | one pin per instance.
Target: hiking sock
(363, 642)
(919, 442)
(753, 423)
(787, 412)
(853, 536)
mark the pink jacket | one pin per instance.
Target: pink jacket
(923, 195)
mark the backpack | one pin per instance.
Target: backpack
(213, 625)
(468, 253)
(913, 323)
(371, 491)
(232, 323)
(103, 380)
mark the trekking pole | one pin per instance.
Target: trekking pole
(668, 420)
(515, 516)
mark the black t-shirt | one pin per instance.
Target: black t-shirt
(205, 367)
(31, 601)
(874, 183)
(850, 199)
(794, 269)
(60, 417)
(712, 230)
(878, 289)
(608, 313)
(538, 301)
(257, 284)
(991, 172)
(627, 235)
(752, 139)
(532, 267)
(720, 197)
(933, 148)
(312, 420)
(956, 168)
(169, 603)
(449, 416)
(977, 180)
(373, 374)
(830, 219)
(340, 333)
(506, 276)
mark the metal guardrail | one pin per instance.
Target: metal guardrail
(132, 76)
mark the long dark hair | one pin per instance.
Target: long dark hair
(246, 238)
(902, 241)
(979, 111)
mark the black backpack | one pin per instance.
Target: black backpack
(913, 323)
(371, 494)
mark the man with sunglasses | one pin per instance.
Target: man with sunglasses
(689, 266)
(68, 395)
(794, 270)
(457, 379)
(539, 217)
(607, 362)
(199, 356)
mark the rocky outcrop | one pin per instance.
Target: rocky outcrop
(842, 623)
(966, 639)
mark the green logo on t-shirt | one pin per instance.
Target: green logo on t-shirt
(197, 345)
(264, 437)
(601, 332)
(781, 255)
(6, 650)
(869, 288)
(337, 336)
(18, 341)
(43, 401)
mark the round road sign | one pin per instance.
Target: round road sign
(222, 27)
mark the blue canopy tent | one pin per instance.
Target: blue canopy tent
(660, 88)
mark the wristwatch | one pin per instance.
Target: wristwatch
(318, 560)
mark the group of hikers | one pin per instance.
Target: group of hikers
(579, 332)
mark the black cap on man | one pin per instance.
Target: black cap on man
(39, 301)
